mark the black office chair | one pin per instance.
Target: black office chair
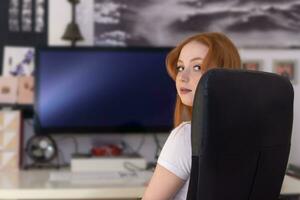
(241, 133)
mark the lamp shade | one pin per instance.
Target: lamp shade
(72, 32)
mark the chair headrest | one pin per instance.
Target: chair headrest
(235, 110)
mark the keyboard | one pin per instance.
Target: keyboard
(134, 177)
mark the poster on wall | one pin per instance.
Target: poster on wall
(18, 61)
(24, 14)
(250, 23)
(24, 23)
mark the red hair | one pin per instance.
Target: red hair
(221, 53)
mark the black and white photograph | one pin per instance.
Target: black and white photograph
(27, 16)
(250, 23)
(39, 16)
(24, 14)
(13, 15)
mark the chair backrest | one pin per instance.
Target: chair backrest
(241, 133)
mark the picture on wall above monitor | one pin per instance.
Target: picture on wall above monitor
(103, 90)
(249, 23)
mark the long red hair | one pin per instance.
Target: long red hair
(221, 53)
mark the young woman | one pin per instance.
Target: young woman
(185, 64)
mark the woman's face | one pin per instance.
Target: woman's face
(189, 70)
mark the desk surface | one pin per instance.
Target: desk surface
(35, 184)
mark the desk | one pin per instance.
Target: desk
(35, 184)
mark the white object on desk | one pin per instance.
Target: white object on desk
(108, 163)
(111, 177)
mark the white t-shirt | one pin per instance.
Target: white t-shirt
(176, 156)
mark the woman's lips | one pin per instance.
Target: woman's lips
(184, 90)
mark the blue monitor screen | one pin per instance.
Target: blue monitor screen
(103, 90)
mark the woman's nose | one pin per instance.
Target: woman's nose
(184, 76)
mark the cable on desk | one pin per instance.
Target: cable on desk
(137, 150)
(132, 167)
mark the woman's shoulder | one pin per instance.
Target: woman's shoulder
(183, 125)
(176, 153)
(181, 128)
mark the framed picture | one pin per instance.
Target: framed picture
(285, 68)
(8, 90)
(18, 61)
(252, 65)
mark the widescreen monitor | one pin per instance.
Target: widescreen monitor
(103, 90)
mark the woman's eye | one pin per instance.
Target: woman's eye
(197, 67)
(179, 68)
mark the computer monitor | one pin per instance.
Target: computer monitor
(103, 90)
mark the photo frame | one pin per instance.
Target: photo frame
(25, 22)
(254, 65)
(8, 90)
(285, 68)
(18, 61)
